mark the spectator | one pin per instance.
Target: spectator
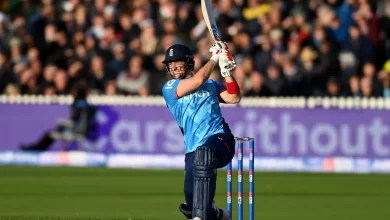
(366, 87)
(275, 82)
(61, 82)
(384, 78)
(292, 76)
(6, 74)
(28, 82)
(369, 70)
(315, 80)
(257, 88)
(12, 90)
(333, 87)
(110, 88)
(354, 89)
(359, 44)
(118, 63)
(134, 80)
(97, 76)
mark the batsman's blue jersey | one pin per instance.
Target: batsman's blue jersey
(198, 114)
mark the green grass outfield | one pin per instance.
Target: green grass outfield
(49, 193)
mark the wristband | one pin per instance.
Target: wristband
(232, 87)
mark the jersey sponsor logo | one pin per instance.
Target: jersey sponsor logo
(170, 84)
(197, 94)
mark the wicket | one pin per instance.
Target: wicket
(240, 146)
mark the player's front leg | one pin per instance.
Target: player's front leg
(205, 177)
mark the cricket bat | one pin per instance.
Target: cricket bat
(207, 11)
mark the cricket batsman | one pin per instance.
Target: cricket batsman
(193, 99)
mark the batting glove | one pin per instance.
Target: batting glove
(226, 63)
(217, 48)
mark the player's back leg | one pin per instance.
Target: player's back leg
(220, 213)
(189, 180)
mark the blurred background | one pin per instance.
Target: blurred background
(80, 86)
(283, 48)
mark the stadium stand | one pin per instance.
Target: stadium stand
(297, 48)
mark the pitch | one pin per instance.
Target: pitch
(59, 193)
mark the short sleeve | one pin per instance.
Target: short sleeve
(220, 87)
(169, 91)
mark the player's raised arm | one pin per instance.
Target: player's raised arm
(232, 93)
(180, 64)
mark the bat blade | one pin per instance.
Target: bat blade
(207, 11)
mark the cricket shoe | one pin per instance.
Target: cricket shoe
(221, 214)
(186, 211)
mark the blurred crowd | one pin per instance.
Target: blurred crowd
(282, 48)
